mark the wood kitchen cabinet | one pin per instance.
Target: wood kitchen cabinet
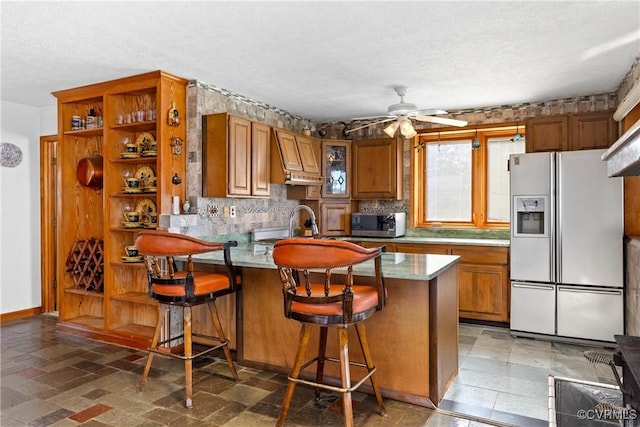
(591, 131)
(483, 282)
(483, 278)
(336, 167)
(571, 132)
(236, 154)
(377, 169)
(121, 310)
(333, 216)
(419, 248)
(331, 202)
(547, 134)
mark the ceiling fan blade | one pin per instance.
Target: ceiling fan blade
(372, 118)
(370, 124)
(428, 112)
(441, 120)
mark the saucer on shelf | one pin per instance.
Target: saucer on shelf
(149, 153)
(150, 225)
(132, 258)
(150, 189)
(131, 190)
(128, 224)
(126, 155)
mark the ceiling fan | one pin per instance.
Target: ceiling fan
(401, 115)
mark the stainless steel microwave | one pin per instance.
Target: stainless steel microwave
(378, 225)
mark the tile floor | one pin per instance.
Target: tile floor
(506, 379)
(53, 379)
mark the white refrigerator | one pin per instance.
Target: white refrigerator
(567, 226)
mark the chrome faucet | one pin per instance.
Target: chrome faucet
(314, 226)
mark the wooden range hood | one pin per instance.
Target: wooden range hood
(296, 161)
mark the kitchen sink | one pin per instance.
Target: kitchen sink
(263, 247)
(264, 238)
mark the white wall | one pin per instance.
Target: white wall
(22, 125)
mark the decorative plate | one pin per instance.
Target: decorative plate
(144, 140)
(144, 174)
(10, 155)
(146, 206)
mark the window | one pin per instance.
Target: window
(457, 185)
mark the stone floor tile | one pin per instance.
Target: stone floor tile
(89, 413)
(48, 377)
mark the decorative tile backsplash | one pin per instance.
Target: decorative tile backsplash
(204, 98)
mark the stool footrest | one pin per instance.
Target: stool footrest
(328, 386)
(222, 343)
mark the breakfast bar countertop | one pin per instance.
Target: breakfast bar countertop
(394, 265)
(422, 296)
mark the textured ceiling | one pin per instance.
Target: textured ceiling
(327, 60)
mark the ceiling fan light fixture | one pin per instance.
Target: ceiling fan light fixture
(406, 128)
(391, 129)
(410, 134)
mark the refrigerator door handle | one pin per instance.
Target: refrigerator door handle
(557, 225)
(520, 285)
(589, 291)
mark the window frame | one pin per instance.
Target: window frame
(479, 174)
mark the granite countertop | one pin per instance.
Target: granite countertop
(394, 265)
(434, 240)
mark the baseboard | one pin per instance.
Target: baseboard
(20, 314)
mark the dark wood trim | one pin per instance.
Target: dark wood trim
(49, 193)
(20, 314)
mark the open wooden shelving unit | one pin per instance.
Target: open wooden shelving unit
(123, 313)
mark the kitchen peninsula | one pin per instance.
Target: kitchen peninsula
(414, 340)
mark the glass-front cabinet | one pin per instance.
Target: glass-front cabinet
(336, 158)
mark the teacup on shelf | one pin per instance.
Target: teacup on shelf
(131, 216)
(130, 251)
(131, 182)
(150, 218)
(131, 148)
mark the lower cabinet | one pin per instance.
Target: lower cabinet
(483, 292)
(483, 278)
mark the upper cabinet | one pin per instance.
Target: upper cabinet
(594, 130)
(571, 132)
(377, 169)
(336, 167)
(236, 153)
(296, 161)
(547, 134)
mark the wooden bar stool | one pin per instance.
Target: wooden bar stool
(339, 306)
(185, 289)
